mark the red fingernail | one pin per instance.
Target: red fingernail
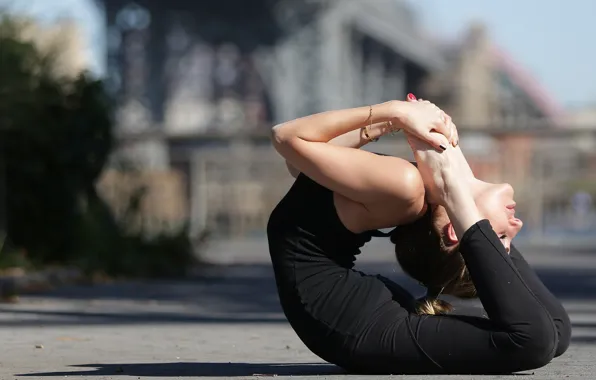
(411, 96)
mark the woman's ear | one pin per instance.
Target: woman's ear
(450, 236)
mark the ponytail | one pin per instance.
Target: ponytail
(433, 306)
(422, 254)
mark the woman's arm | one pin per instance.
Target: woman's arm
(358, 175)
(355, 139)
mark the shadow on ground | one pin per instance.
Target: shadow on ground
(172, 370)
(230, 294)
(225, 369)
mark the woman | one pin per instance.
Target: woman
(369, 324)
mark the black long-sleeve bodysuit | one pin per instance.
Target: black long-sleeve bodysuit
(365, 323)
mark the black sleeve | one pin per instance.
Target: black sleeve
(518, 335)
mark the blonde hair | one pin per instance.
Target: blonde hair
(433, 306)
(422, 253)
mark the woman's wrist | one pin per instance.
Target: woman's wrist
(371, 133)
(400, 114)
(382, 121)
(390, 110)
(377, 130)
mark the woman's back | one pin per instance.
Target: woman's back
(307, 214)
(312, 255)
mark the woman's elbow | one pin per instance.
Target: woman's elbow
(279, 136)
(284, 141)
(412, 186)
(406, 191)
(274, 134)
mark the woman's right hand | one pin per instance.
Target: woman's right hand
(427, 122)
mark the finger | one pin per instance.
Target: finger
(446, 118)
(452, 130)
(437, 142)
(411, 97)
(434, 139)
(443, 128)
(418, 138)
(456, 135)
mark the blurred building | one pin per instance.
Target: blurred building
(483, 87)
(195, 68)
(505, 116)
(512, 130)
(583, 122)
(580, 118)
(199, 84)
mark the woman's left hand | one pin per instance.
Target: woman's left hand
(424, 121)
(452, 135)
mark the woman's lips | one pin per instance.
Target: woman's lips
(511, 210)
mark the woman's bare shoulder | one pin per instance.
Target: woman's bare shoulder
(390, 208)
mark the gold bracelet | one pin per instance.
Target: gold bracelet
(367, 135)
(366, 130)
(391, 129)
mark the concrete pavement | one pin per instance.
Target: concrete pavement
(227, 324)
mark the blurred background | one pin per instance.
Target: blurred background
(135, 134)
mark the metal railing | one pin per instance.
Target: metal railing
(232, 191)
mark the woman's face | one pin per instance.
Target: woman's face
(495, 203)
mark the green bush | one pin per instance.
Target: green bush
(55, 139)
(118, 252)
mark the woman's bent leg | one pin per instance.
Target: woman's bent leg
(519, 334)
(550, 302)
